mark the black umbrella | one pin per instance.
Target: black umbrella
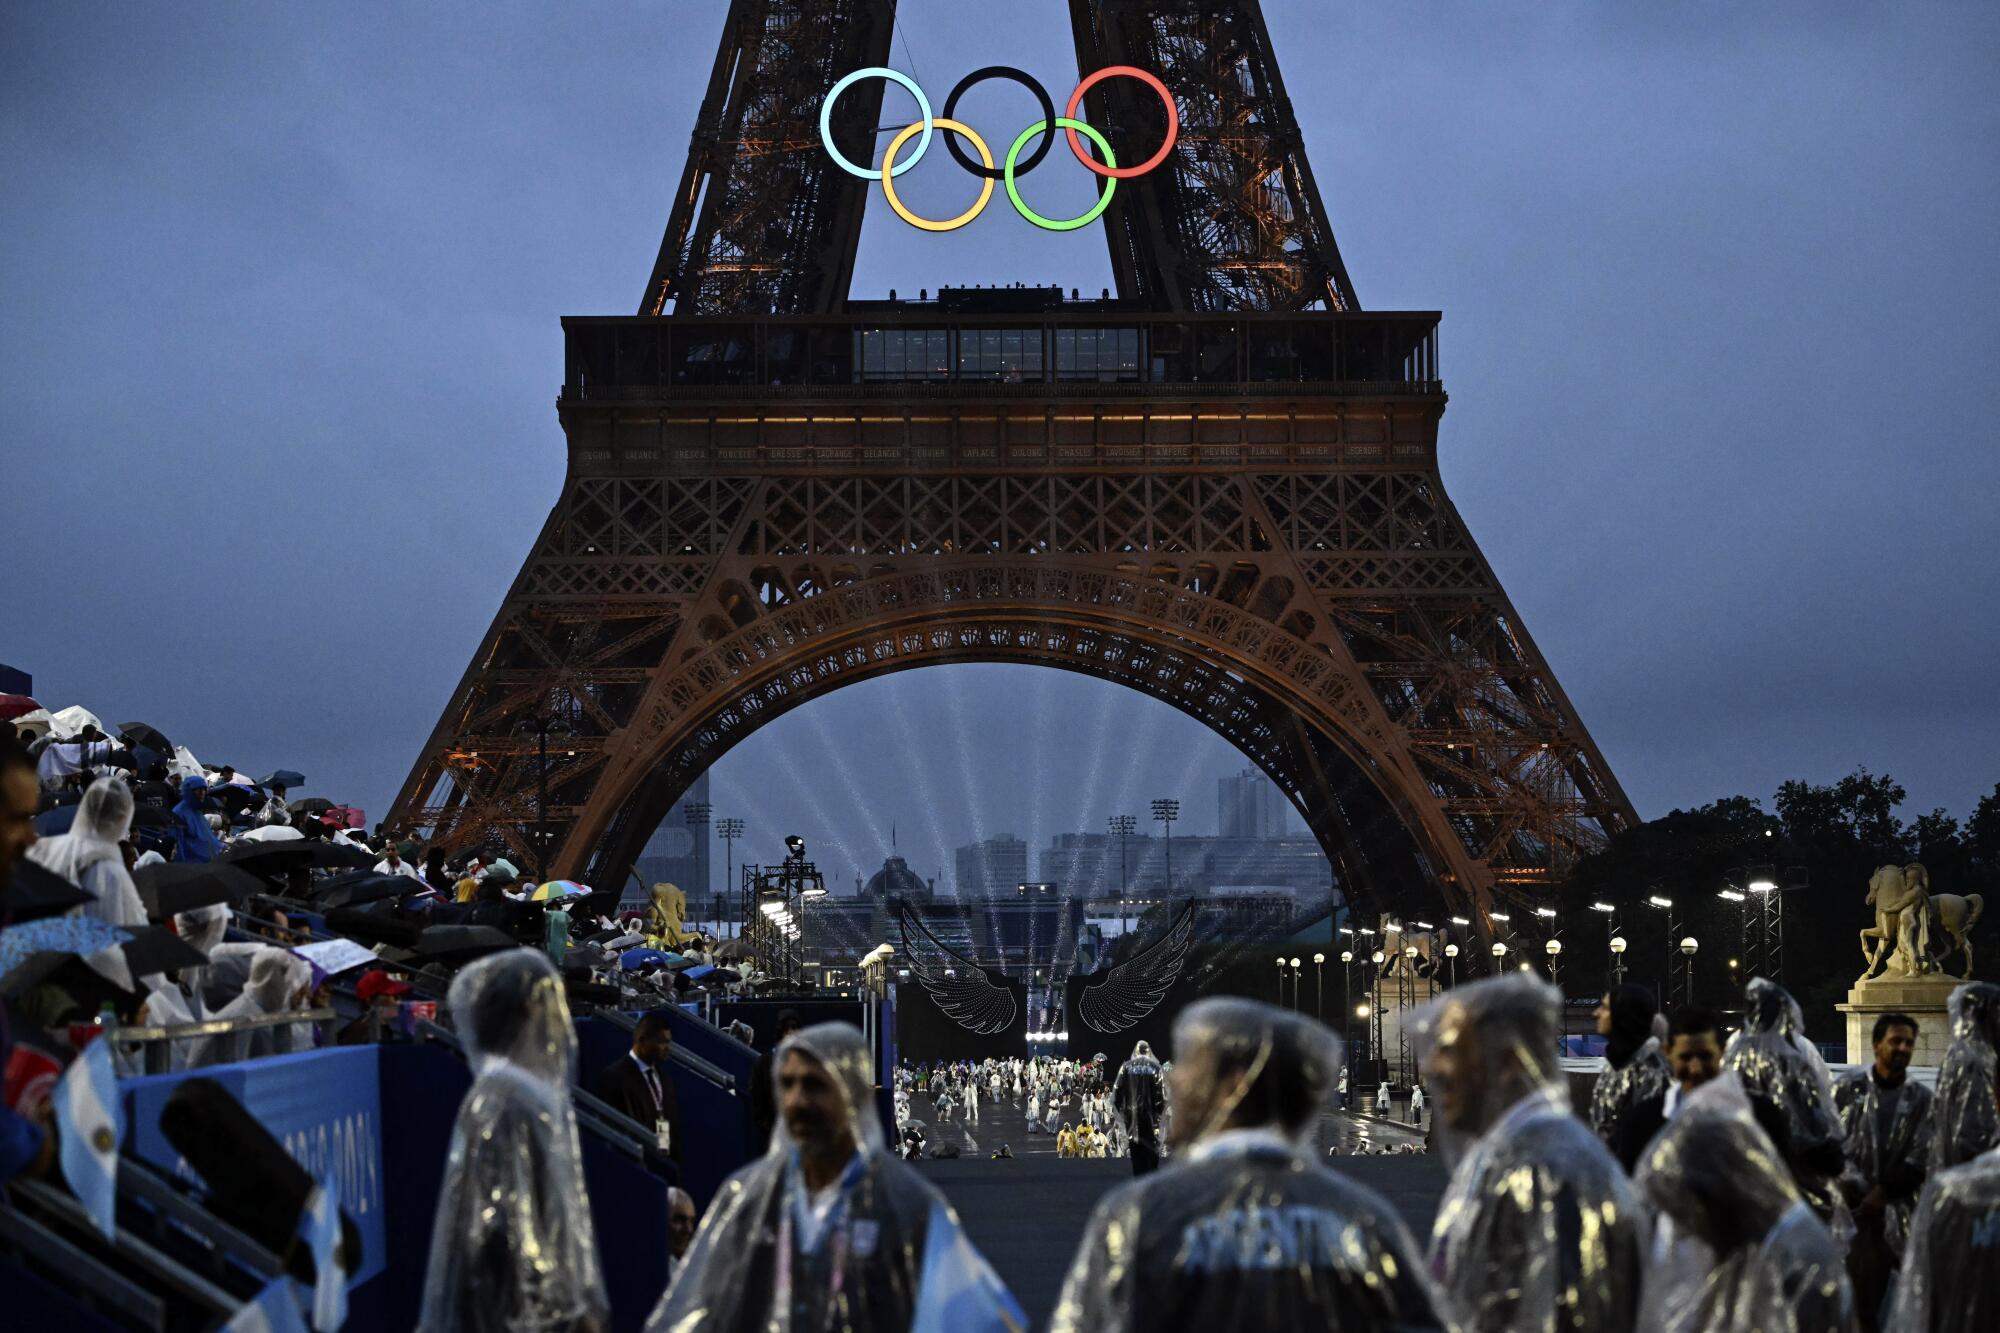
(145, 733)
(311, 805)
(179, 886)
(234, 799)
(364, 886)
(464, 942)
(36, 891)
(157, 949)
(275, 858)
(282, 777)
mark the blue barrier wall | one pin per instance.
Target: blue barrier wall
(714, 1123)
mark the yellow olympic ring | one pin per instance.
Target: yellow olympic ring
(889, 185)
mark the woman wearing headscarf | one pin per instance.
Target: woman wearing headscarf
(512, 1246)
(193, 839)
(1752, 1255)
(1635, 1069)
(828, 1230)
(89, 855)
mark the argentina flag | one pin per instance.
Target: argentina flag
(321, 1224)
(92, 1125)
(959, 1292)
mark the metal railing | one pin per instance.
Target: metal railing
(157, 1040)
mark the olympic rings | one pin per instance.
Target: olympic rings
(878, 72)
(1173, 121)
(1027, 81)
(1104, 164)
(985, 186)
(1082, 219)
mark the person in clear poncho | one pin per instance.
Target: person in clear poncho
(1245, 1230)
(89, 856)
(1951, 1280)
(1773, 1058)
(1964, 1121)
(1750, 1256)
(828, 1230)
(1888, 1120)
(1538, 1228)
(278, 981)
(1139, 1093)
(1635, 1065)
(512, 1246)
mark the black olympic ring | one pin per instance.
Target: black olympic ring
(1027, 81)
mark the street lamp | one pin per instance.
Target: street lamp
(1319, 986)
(1281, 980)
(1554, 950)
(1295, 984)
(1688, 945)
(1499, 955)
(1617, 960)
(1166, 810)
(1451, 957)
(1666, 905)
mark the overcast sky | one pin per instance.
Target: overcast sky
(279, 291)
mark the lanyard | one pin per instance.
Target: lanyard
(651, 1078)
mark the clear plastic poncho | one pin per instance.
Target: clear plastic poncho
(877, 1250)
(1964, 1121)
(1538, 1228)
(1776, 1062)
(277, 978)
(1753, 1257)
(1246, 1229)
(1950, 1281)
(512, 1248)
(88, 855)
(1139, 1092)
(1895, 1157)
(1635, 1065)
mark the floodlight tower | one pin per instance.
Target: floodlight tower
(1122, 827)
(1166, 810)
(729, 830)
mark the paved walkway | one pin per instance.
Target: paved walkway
(1027, 1215)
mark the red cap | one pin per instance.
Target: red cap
(378, 982)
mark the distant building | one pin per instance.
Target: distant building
(896, 880)
(677, 854)
(1249, 805)
(992, 868)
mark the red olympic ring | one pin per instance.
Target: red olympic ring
(1166, 145)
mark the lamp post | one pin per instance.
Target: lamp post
(1319, 987)
(729, 830)
(1666, 905)
(1500, 955)
(1166, 810)
(1554, 950)
(1451, 959)
(1295, 984)
(1742, 901)
(1688, 945)
(1281, 981)
(1617, 960)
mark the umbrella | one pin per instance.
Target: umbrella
(633, 959)
(14, 705)
(180, 886)
(234, 799)
(559, 888)
(57, 934)
(697, 973)
(271, 833)
(72, 720)
(272, 858)
(365, 886)
(36, 720)
(136, 734)
(37, 891)
(157, 949)
(311, 805)
(464, 942)
(282, 777)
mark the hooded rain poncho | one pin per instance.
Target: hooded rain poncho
(194, 840)
(1753, 1257)
(512, 1246)
(1964, 1120)
(1635, 1069)
(1538, 1228)
(1894, 1156)
(1950, 1281)
(879, 1251)
(1246, 1230)
(1140, 1094)
(89, 857)
(1776, 1062)
(276, 978)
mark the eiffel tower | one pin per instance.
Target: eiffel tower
(1219, 487)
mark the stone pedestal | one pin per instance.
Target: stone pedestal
(1922, 998)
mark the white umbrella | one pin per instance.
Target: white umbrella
(271, 833)
(37, 721)
(185, 765)
(69, 721)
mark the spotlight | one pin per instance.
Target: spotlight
(1361, 1011)
(1460, 921)
(813, 893)
(1657, 901)
(1731, 895)
(1763, 886)
(1545, 912)
(1423, 925)
(795, 844)
(1499, 916)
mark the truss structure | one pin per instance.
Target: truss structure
(1201, 490)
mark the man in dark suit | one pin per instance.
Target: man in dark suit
(637, 1085)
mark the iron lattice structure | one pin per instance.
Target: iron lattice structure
(1199, 490)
